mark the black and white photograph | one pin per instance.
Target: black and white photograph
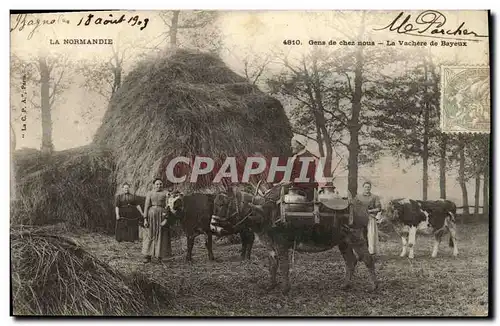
(215, 163)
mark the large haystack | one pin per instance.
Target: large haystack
(75, 186)
(53, 275)
(188, 103)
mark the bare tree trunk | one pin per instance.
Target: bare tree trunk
(477, 190)
(352, 162)
(173, 28)
(322, 122)
(442, 165)
(117, 70)
(425, 155)
(117, 80)
(486, 202)
(425, 149)
(319, 140)
(47, 146)
(461, 176)
(314, 92)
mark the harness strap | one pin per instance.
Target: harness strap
(243, 219)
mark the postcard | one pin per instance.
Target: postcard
(250, 163)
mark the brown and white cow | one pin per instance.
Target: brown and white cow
(408, 216)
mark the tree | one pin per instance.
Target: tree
(354, 123)
(471, 153)
(486, 185)
(443, 146)
(255, 66)
(477, 190)
(105, 76)
(48, 71)
(360, 70)
(409, 120)
(303, 83)
(461, 173)
(477, 164)
(333, 98)
(195, 28)
(442, 138)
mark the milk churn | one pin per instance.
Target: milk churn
(295, 200)
(328, 192)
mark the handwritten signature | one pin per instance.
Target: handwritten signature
(429, 23)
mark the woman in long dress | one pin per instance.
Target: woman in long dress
(128, 213)
(370, 204)
(156, 239)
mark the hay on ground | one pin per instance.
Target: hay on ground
(157, 296)
(75, 186)
(52, 275)
(187, 103)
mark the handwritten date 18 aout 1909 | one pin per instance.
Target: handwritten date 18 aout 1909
(132, 21)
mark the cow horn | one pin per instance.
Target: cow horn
(257, 207)
(257, 188)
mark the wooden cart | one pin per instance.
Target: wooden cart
(320, 210)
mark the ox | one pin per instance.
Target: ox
(194, 212)
(408, 216)
(243, 210)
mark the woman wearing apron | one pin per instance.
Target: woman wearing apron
(128, 212)
(370, 205)
(156, 240)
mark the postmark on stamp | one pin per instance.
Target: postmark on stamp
(465, 99)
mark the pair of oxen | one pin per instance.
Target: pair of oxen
(236, 211)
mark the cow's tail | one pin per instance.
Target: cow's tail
(452, 216)
(450, 242)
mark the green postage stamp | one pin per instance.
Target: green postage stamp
(465, 99)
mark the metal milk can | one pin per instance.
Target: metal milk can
(294, 200)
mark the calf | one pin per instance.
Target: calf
(408, 215)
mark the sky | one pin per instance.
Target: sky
(244, 33)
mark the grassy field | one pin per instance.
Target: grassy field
(443, 286)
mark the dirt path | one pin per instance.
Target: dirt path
(445, 286)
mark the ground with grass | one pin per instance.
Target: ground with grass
(443, 286)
